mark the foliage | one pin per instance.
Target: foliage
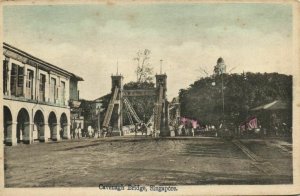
(138, 85)
(86, 107)
(203, 101)
(143, 106)
(144, 69)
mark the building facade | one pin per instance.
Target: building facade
(36, 98)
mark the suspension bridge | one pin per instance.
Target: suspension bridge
(119, 106)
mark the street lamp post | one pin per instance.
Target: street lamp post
(99, 120)
(222, 94)
(223, 100)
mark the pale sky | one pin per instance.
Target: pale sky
(88, 40)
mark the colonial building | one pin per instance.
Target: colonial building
(36, 98)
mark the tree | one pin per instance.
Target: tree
(144, 69)
(203, 101)
(86, 108)
(143, 106)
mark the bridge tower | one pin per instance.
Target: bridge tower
(114, 110)
(161, 107)
(117, 83)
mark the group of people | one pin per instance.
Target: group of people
(78, 133)
(143, 128)
(191, 130)
(182, 130)
(146, 129)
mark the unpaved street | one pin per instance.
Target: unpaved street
(166, 161)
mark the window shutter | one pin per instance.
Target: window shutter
(5, 70)
(20, 76)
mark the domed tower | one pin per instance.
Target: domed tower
(220, 67)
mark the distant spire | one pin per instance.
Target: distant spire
(117, 67)
(161, 66)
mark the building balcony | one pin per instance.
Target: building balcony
(39, 101)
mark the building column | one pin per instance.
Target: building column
(49, 88)
(67, 92)
(46, 88)
(55, 129)
(57, 132)
(8, 77)
(41, 132)
(24, 81)
(59, 97)
(12, 134)
(44, 137)
(67, 131)
(28, 135)
(34, 85)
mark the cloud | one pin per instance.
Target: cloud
(92, 46)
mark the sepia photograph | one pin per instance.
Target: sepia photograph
(144, 97)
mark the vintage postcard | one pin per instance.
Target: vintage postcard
(150, 97)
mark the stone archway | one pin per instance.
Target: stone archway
(7, 123)
(52, 123)
(63, 126)
(39, 126)
(23, 126)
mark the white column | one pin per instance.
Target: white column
(46, 135)
(67, 91)
(67, 132)
(41, 133)
(46, 87)
(28, 137)
(57, 135)
(8, 77)
(34, 84)
(24, 80)
(53, 131)
(49, 86)
(12, 134)
(58, 91)
(37, 85)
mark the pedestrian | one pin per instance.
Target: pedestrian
(157, 132)
(61, 133)
(183, 130)
(150, 129)
(80, 134)
(180, 130)
(190, 126)
(76, 133)
(265, 131)
(136, 128)
(104, 131)
(99, 132)
(89, 131)
(172, 132)
(93, 132)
